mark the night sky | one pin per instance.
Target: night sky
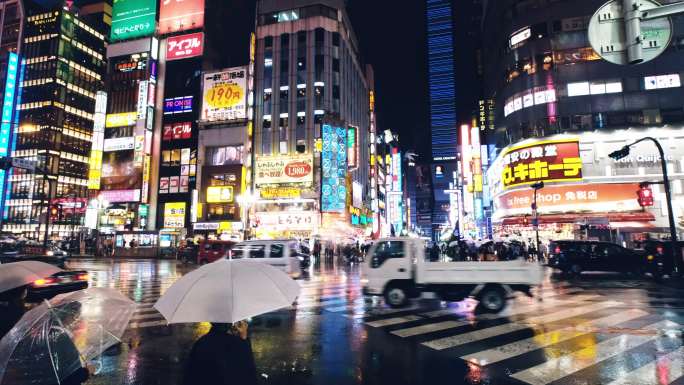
(392, 39)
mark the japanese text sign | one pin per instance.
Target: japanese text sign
(180, 15)
(174, 215)
(181, 130)
(133, 19)
(225, 95)
(548, 161)
(284, 169)
(184, 46)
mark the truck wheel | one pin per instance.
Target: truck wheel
(396, 296)
(492, 299)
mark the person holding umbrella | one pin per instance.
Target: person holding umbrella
(225, 293)
(222, 356)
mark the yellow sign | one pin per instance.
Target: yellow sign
(280, 192)
(121, 120)
(220, 194)
(224, 95)
(174, 215)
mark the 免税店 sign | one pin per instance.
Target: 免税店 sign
(576, 198)
(185, 46)
(284, 169)
(548, 161)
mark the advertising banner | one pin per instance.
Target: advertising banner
(287, 220)
(133, 19)
(280, 192)
(119, 171)
(225, 95)
(180, 15)
(185, 46)
(178, 105)
(577, 198)
(220, 194)
(333, 169)
(124, 119)
(284, 169)
(119, 144)
(548, 161)
(117, 196)
(174, 215)
(173, 131)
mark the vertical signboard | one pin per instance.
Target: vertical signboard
(133, 18)
(225, 95)
(180, 15)
(352, 148)
(7, 109)
(333, 169)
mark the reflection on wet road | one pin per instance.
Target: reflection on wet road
(600, 330)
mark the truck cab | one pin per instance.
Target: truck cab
(398, 269)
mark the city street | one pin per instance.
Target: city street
(601, 329)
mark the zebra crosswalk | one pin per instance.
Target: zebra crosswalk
(563, 339)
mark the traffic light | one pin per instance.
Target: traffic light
(54, 211)
(645, 195)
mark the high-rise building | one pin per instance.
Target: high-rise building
(62, 69)
(561, 110)
(312, 121)
(441, 78)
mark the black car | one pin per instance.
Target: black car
(574, 257)
(659, 259)
(59, 283)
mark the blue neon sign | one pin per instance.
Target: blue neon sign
(7, 110)
(333, 169)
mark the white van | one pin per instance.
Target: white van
(280, 253)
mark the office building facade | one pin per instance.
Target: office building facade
(312, 125)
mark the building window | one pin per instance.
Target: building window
(662, 81)
(319, 67)
(301, 126)
(336, 39)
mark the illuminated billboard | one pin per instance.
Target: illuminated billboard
(178, 105)
(184, 46)
(133, 19)
(333, 169)
(174, 215)
(271, 170)
(548, 161)
(225, 95)
(119, 171)
(180, 15)
(7, 109)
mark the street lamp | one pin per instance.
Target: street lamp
(624, 152)
(536, 186)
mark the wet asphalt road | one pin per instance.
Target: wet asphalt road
(601, 329)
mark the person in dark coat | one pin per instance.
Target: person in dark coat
(222, 357)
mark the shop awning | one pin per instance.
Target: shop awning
(615, 219)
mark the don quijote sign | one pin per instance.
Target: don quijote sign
(273, 170)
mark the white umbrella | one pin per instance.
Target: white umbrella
(15, 274)
(227, 291)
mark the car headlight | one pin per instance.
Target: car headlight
(50, 253)
(364, 281)
(650, 257)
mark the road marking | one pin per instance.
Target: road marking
(650, 374)
(466, 338)
(138, 317)
(393, 321)
(568, 364)
(549, 338)
(429, 328)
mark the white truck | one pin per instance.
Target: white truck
(397, 269)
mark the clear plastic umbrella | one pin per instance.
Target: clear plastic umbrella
(55, 339)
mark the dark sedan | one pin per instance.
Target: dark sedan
(574, 257)
(59, 283)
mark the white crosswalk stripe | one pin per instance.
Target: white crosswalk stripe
(461, 339)
(649, 374)
(555, 369)
(550, 337)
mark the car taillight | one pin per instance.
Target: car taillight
(82, 277)
(659, 249)
(43, 281)
(557, 250)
